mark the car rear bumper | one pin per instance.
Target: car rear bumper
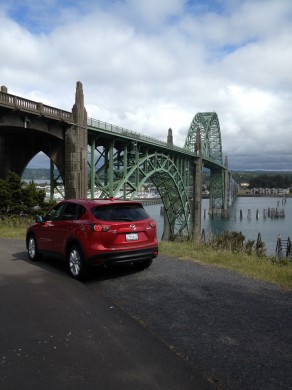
(123, 256)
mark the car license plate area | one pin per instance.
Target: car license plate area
(132, 236)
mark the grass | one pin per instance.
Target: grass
(14, 227)
(259, 267)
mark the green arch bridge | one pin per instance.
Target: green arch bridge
(96, 157)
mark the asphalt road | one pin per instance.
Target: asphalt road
(177, 325)
(235, 330)
(56, 333)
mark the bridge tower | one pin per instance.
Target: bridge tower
(226, 187)
(207, 123)
(169, 137)
(197, 189)
(76, 175)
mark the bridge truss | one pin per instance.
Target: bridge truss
(122, 164)
(210, 149)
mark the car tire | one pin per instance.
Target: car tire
(75, 260)
(32, 248)
(143, 264)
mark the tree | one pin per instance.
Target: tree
(17, 197)
(5, 196)
(15, 190)
(33, 197)
(270, 181)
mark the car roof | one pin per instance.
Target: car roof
(101, 202)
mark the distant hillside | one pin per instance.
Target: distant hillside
(36, 174)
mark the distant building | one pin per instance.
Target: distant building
(270, 191)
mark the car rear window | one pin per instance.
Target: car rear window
(120, 212)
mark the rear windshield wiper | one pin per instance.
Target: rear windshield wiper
(121, 219)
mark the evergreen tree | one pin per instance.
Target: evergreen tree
(5, 196)
(15, 205)
(16, 197)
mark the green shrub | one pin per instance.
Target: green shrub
(235, 242)
(19, 198)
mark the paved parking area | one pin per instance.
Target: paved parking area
(56, 333)
(235, 330)
(177, 325)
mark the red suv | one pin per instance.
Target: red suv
(94, 232)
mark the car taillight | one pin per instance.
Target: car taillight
(152, 224)
(99, 228)
(105, 228)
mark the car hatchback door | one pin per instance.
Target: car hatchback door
(125, 225)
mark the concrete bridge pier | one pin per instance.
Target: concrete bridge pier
(197, 190)
(166, 228)
(197, 202)
(220, 192)
(76, 175)
(226, 202)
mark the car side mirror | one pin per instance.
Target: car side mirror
(39, 219)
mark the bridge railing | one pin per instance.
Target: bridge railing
(34, 107)
(134, 135)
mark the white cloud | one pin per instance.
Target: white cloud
(151, 65)
(154, 13)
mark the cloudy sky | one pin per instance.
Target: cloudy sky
(148, 65)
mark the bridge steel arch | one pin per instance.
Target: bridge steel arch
(205, 127)
(121, 164)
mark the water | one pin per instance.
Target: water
(249, 224)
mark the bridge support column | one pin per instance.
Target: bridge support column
(227, 194)
(227, 191)
(166, 229)
(197, 202)
(76, 175)
(92, 168)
